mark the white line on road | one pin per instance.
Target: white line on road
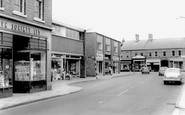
(122, 93)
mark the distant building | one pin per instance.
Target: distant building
(153, 53)
(100, 53)
(67, 50)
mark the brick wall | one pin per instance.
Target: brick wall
(8, 6)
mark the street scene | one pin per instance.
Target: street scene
(95, 57)
(122, 95)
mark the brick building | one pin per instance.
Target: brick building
(152, 52)
(100, 53)
(67, 50)
(25, 43)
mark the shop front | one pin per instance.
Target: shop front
(107, 63)
(64, 64)
(138, 62)
(115, 65)
(99, 64)
(153, 64)
(23, 58)
(176, 62)
(126, 65)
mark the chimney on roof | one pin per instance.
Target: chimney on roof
(137, 37)
(123, 41)
(150, 37)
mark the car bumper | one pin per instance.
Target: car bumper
(172, 79)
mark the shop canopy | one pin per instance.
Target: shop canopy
(138, 57)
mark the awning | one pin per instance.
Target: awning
(176, 59)
(152, 60)
(138, 57)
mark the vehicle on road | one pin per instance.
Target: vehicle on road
(161, 71)
(145, 70)
(172, 75)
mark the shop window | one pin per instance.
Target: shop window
(29, 64)
(20, 8)
(179, 52)
(39, 10)
(5, 67)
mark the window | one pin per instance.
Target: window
(141, 54)
(72, 34)
(150, 54)
(99, 46)
(164, 53)
(1, 3)
(107, 48)
(135, 54)
(156, 53)
(173, 53)
(39, 9)
(115, 49)
(20, 6)
(179, 52)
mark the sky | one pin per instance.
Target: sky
(122, 19)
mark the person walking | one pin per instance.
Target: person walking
(110, 70)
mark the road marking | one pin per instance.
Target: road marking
(100, 102)
(122, 93)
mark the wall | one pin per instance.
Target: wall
(90, 45)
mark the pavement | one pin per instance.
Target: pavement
(59, 88)
(180, 103)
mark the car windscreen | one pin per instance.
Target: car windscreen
(172, 71)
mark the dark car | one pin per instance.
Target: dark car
(145, 70)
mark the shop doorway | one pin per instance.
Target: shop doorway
(164, 63)
(99, 67)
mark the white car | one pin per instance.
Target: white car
(172, 75)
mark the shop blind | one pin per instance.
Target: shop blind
(38, 44)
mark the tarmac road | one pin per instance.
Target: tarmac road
(134, 94)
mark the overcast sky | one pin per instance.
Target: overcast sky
(120, 19)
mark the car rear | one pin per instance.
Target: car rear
(172, 75)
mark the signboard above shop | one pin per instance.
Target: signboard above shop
(99, 57)
(20, 28)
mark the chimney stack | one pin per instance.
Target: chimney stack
(150, 37)
(137, 37)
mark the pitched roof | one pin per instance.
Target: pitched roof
(166, 43)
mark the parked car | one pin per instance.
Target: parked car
(161, 70)
(172, 75)
(145, 70)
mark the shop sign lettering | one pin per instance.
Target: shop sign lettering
(19, 28)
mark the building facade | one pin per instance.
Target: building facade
(153, 53)
(100, 53)
(67, 50)
(25, 37)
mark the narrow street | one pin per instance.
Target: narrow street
(135, 94)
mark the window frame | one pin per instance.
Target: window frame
(164, 53)
(39, 15)
(173, 53)
(179, 52)
(22, 8)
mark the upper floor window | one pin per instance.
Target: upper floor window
(39, 12)
(1, 3)
(99, 46)
(141, 54)
(173, 53)
(20, 6)
(179, 52)
(107, 48)
(72, 34)
(115, 49)
(150, 54)
(156, 53)
(135, 54)
(164, 53)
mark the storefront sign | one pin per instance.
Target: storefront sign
(115, 58)
(99, 57)
(4, 24)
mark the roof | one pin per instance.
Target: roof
(56, 22)
(167, 43)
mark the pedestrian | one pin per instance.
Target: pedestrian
(110, 70)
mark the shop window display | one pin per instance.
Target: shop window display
(30, 64)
